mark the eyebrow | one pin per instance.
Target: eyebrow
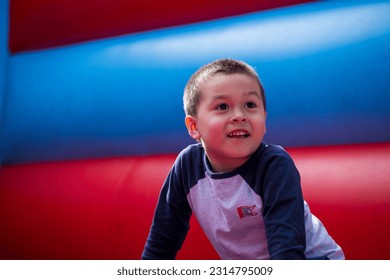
(217, 97)
(249, 93)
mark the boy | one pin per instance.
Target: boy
(245, 194)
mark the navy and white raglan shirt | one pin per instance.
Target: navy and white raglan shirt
(254, 212)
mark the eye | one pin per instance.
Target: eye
(251, 105)
(223, 107)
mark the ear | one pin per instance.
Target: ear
(191, 124)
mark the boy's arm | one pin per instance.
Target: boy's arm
(170, 223)
(284, 210)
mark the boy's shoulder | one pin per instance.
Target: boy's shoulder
(277, 158)
(275, 150)
(189, 165)
(193, 152)
(191, 157)
(271, 151)
(270, 163)
(193, 149)
(271, 155)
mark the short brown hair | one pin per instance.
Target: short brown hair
(225, 66)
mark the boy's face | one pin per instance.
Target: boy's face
(230, 122)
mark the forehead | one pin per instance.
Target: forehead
(224, 85)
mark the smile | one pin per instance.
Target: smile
(238, 134)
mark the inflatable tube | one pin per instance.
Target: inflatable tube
(103, 209)
(3, 55)
(324, 67)
(54, 23)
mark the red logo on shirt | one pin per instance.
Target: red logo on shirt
(246, 211)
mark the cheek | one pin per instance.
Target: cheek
(211, 126)
(262, 128)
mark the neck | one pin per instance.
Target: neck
(226, 165)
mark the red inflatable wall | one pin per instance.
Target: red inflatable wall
(48, 23)
(102, 209)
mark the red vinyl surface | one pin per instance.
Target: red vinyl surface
(49, 23)
(92, 209)
(348, 188)
(102, 209)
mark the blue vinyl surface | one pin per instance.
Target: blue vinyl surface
(3, 58)
(325, 68)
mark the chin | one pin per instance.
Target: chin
(241, 154)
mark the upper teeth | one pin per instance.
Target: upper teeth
(238, 133)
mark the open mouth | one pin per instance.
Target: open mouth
(238, 134)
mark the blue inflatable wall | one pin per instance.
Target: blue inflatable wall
(325, 68)
(3, 60)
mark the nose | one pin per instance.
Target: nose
(238, 116)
